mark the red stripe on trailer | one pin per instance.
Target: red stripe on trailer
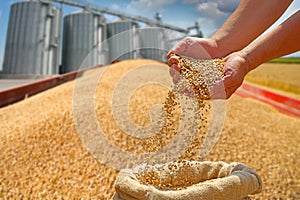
(285, 104)
(19, 93)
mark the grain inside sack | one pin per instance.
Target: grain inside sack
(191, 180)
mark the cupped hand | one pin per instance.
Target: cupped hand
(196, 48)
(235, 69)
(199, 48)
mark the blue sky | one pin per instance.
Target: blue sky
(182, 13)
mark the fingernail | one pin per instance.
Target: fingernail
(173, 60)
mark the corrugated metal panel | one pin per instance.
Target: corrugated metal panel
(122, 40)
(33, 37)
(153, 43)
(83, 33)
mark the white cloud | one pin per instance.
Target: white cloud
(210, 9)
(207, 26)
(217, 8)
(211, 16)
(148, 6)
(227, 6)
(214, 13)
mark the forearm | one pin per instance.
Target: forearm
(248, 21)
(283, 40)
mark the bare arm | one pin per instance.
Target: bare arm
(283, 40)
(248, 21)
(233, 39)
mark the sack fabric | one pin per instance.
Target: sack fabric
(208, 180)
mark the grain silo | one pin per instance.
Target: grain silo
(33, 39)
(153, 43)
(122, 39)
(83, 34)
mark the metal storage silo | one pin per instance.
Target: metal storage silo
(33, 39)
(83, 33)
(153, 43)
(122, 40)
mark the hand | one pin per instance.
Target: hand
(235, 69)
(236, 65)
(197, 48)
(192, 47)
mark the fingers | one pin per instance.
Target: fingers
(195, 48)
(232, 81)
(230, 85)
(184, 47)
(179, 48)
(174, 72)
(174, 68)
(224, 88)
(173, 60)
(169, 54)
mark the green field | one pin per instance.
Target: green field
(292, 60)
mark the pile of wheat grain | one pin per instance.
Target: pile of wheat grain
(42, 155)
(282, 77)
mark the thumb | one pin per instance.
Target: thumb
(178, 49)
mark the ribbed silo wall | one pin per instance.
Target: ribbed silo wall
(153, 43)
(33, 39)
(83, 33)
(122, 40)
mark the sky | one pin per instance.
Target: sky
(181, 13)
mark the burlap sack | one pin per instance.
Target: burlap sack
(190, 180)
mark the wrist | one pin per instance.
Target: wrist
(247, 63)
(220, 50)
